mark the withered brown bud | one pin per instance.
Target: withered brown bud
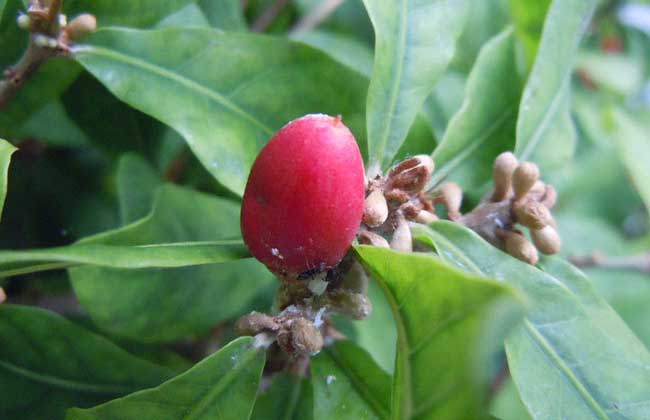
(397, 196)
(525, 176)
(452, 198)
(504, 167)
(402, 239)
(375, 209)
(306, 338)
(81, 26)
(533, 214)
(255, 323)
(547, 240)
(550, 197)
(519, 247)
(411, 175)
(355, 305)
(426, 217)
(371, 238)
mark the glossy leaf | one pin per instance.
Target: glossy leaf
(223, 386)
(255, 85)
(344, 49)
(163, 304)
(189, 16)
(289, 397)
(6, 150)
(132, 13)
(443, 339)
(48, 364)
(414, 43)
(545, 133)
(573, 355)
(349, 385)
(484, 125)
(224, 14)
(528, 19)
(136, 181)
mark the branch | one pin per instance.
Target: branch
(316, 16)
(640, 262)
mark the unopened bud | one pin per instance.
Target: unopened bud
(550, 197)
(306, 338)
(63, 20)
(411, 175)
(504, 166)
(254, 323)
(375, 209)
(547, 240)
(81, 26)
(354, 305)
(371, 238)
(3, 295)
(24, 21)
(41, 40)
(52, 43)
(519, 247)
(533, 214)
(452, 198)
(402, 239)
(426, 217)
(525, 176)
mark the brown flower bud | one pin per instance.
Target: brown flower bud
(306, 339)
(371, 238)
(402, 239)
(533, 214)
(519, 247)
(550, 197)
(81, 26)
(426, 217)
(504, 166)
(452, 198)
(547, 240)
(3, 295)
(255, 323)
(411, 175)
(525, 176)
(375, 209)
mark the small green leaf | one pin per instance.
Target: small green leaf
(225, 93)
(414, 43)
(6, 150)
(344, 49)
(222, 386)
(165, 304)
(573, 354)
(137, 181)
(288, 398)
(49, 364)
(528, 19)
(484, 125)
(140, 13)
(349, 385)
(443, 336)
(545, 133)
(189, 16)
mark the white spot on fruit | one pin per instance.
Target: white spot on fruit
(276, 253)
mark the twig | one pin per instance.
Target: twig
(640, 262)
(317, 15)
(267, 17)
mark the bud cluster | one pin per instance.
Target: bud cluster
(51, 29)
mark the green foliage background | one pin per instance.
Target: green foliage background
(123, 168)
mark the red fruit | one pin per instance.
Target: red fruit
(304, 197)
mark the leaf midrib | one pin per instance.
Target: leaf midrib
(175, 77)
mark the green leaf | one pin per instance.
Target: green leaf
(545, 133)
(344, 49)
(528, 19)
(414, 43)
(189, 16)
(48, 364)
(605, 70)
(484, 125)
(224, 14)
(573, 354)
(288, 398)
(165, 304)
(225, 93)
(3, 3)
(6, 150)
(349, 385)
(631, 139)
(443, 338)
(132, 13)
(445, 100)
(52, 125)
(137, 181)
(221, 386)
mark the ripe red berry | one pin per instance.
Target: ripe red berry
(304, 197)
